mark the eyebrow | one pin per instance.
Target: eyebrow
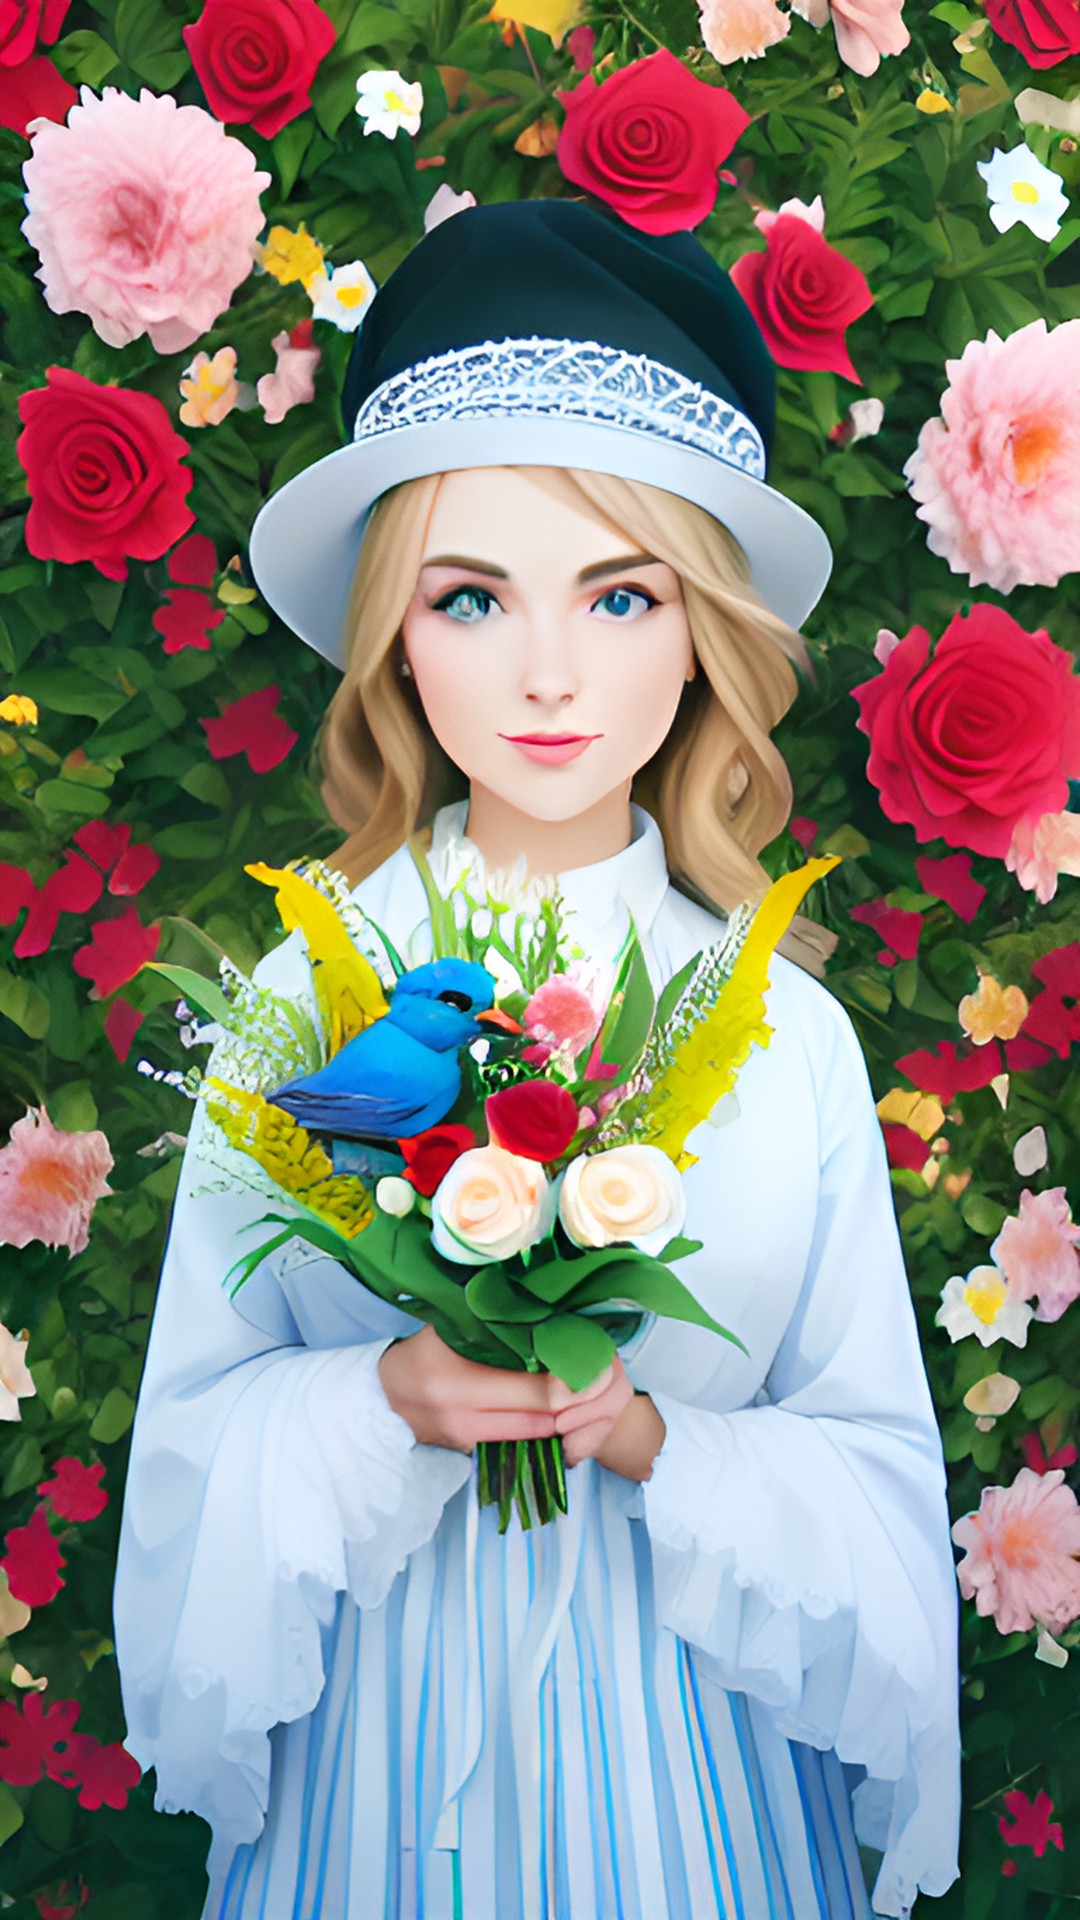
(621, 564)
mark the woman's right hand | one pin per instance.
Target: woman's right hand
(449, 1401)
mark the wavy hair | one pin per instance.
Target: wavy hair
(718, 787)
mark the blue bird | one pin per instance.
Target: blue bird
(401, 1074)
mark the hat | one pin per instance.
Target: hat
(545, 333)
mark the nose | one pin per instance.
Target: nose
(550, 673)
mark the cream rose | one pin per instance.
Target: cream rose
(490, 1204)
(630, 1193)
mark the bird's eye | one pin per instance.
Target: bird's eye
(461, 1000)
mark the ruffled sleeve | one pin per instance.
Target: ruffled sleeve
(800, 1544)
(267, 1476)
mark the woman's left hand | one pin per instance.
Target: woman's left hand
(620, 1429)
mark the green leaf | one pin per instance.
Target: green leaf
(85, 58)
(113, 1417)
(983, 1215)
(206, 782)
(907, 302)
(24, 1466)
(11, 1815)
(24, 1004)
(492, 1295)
(1042, 1396)
(73, 1107)
(671, 994)
(631, 1007)
(573, 1348)
(196, 989)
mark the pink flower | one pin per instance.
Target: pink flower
(32, 1561)
(865, 29)
(1042, 849)
(75, 1491)
(561, 1014)
(145, 215)
(292, 384)
(998, 476)
(951, 880)
(1020, 1562)
(210, 389)
(741, 29)
(1037, 1252)
(50, 1183)
(1031, 1823)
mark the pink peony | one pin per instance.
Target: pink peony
(1037, 1252)
(1043, 849)
(561, 1014)
(50, 1182)
(145, 216)
(292, 383)
(865, 29)
(1021, 1563)
(741, 29)
(998, 476)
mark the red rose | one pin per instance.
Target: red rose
(803, 294)
(430, 1154)
(256, 59)
(649, 142)
(535, 1118)
(1044, 31)
(105, 472)
(34, 90)
(26, 25)
(977, 734)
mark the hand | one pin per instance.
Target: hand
(449, 1401)
(628, 1445)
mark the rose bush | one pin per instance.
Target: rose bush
(977, 733)
(649, 140)
(105, 471)
(628, 1194)
(489, 1205)
(256, 59)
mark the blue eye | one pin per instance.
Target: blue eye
(620, 601)
(470, 597)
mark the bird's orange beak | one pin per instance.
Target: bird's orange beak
(495, 1017)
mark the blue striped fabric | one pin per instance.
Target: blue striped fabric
(512, 1737)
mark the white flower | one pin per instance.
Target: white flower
(387, 101)
(342, 297)
(866, 417)
(628, 1194)
(813, 213)
(15, 1381)
(394, 1195)
(489, 1204)
(443, 204)
(983, 1305)
(1021, 188)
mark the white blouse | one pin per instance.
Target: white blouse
(281, 1520)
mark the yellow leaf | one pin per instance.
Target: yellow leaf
(924, 1114)
(553, 17)
(539, 139)
(706, 1063)
(234, 595)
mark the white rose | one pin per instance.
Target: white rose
(630, 1193)
(394, 1195)
(489, 1204)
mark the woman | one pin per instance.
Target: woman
(735, 1653)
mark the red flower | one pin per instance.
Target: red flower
(105, 472)
(1030, 1826)
(948, 1072)
(36, 1740)
(75, 1492)
(187, 619)
(122, 1023)
(950, 879)
(1055, 1012)
(430, 1154)
(116, 950)
(26, 25)
(535, 1118)
(896, 925)
(803, 830)
(252, 726)
(803, 294)
(35, 90)
(105, 1775)
(33, 1561)
(73, 888)
(20, 1755)
(46, 1902)
(904, 1147)
(194, 562)
(649, 141)
(256, 59)
(1032, 1449)
(974, 735)
(110, 847)
(1044, 31)
(581, 46)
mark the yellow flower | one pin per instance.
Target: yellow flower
(922, 1112)
(290, 256)
(270, 1136)
(19, 709)
(210, 388)
(342, 1201)
(931, 102)
(993, 1012)
(553, 17)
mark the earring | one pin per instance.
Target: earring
(405, 670)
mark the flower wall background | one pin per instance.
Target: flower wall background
(898, 193)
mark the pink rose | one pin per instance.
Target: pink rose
(1021, 1564)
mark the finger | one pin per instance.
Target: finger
(586, 1441)
(607, 1406)
(500, 1425)
(560, 1395)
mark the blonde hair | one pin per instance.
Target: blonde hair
(718, 788)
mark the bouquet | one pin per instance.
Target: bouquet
(494, 1140)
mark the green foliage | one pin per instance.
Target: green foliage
(119, 739)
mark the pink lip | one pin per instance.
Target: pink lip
(551, 749)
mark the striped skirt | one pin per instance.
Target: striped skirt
(512, 1736)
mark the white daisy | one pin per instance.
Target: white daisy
(1021, 188)
(343, 296)
(983, 1305)
(386, 102)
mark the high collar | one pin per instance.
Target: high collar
(600, 898)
